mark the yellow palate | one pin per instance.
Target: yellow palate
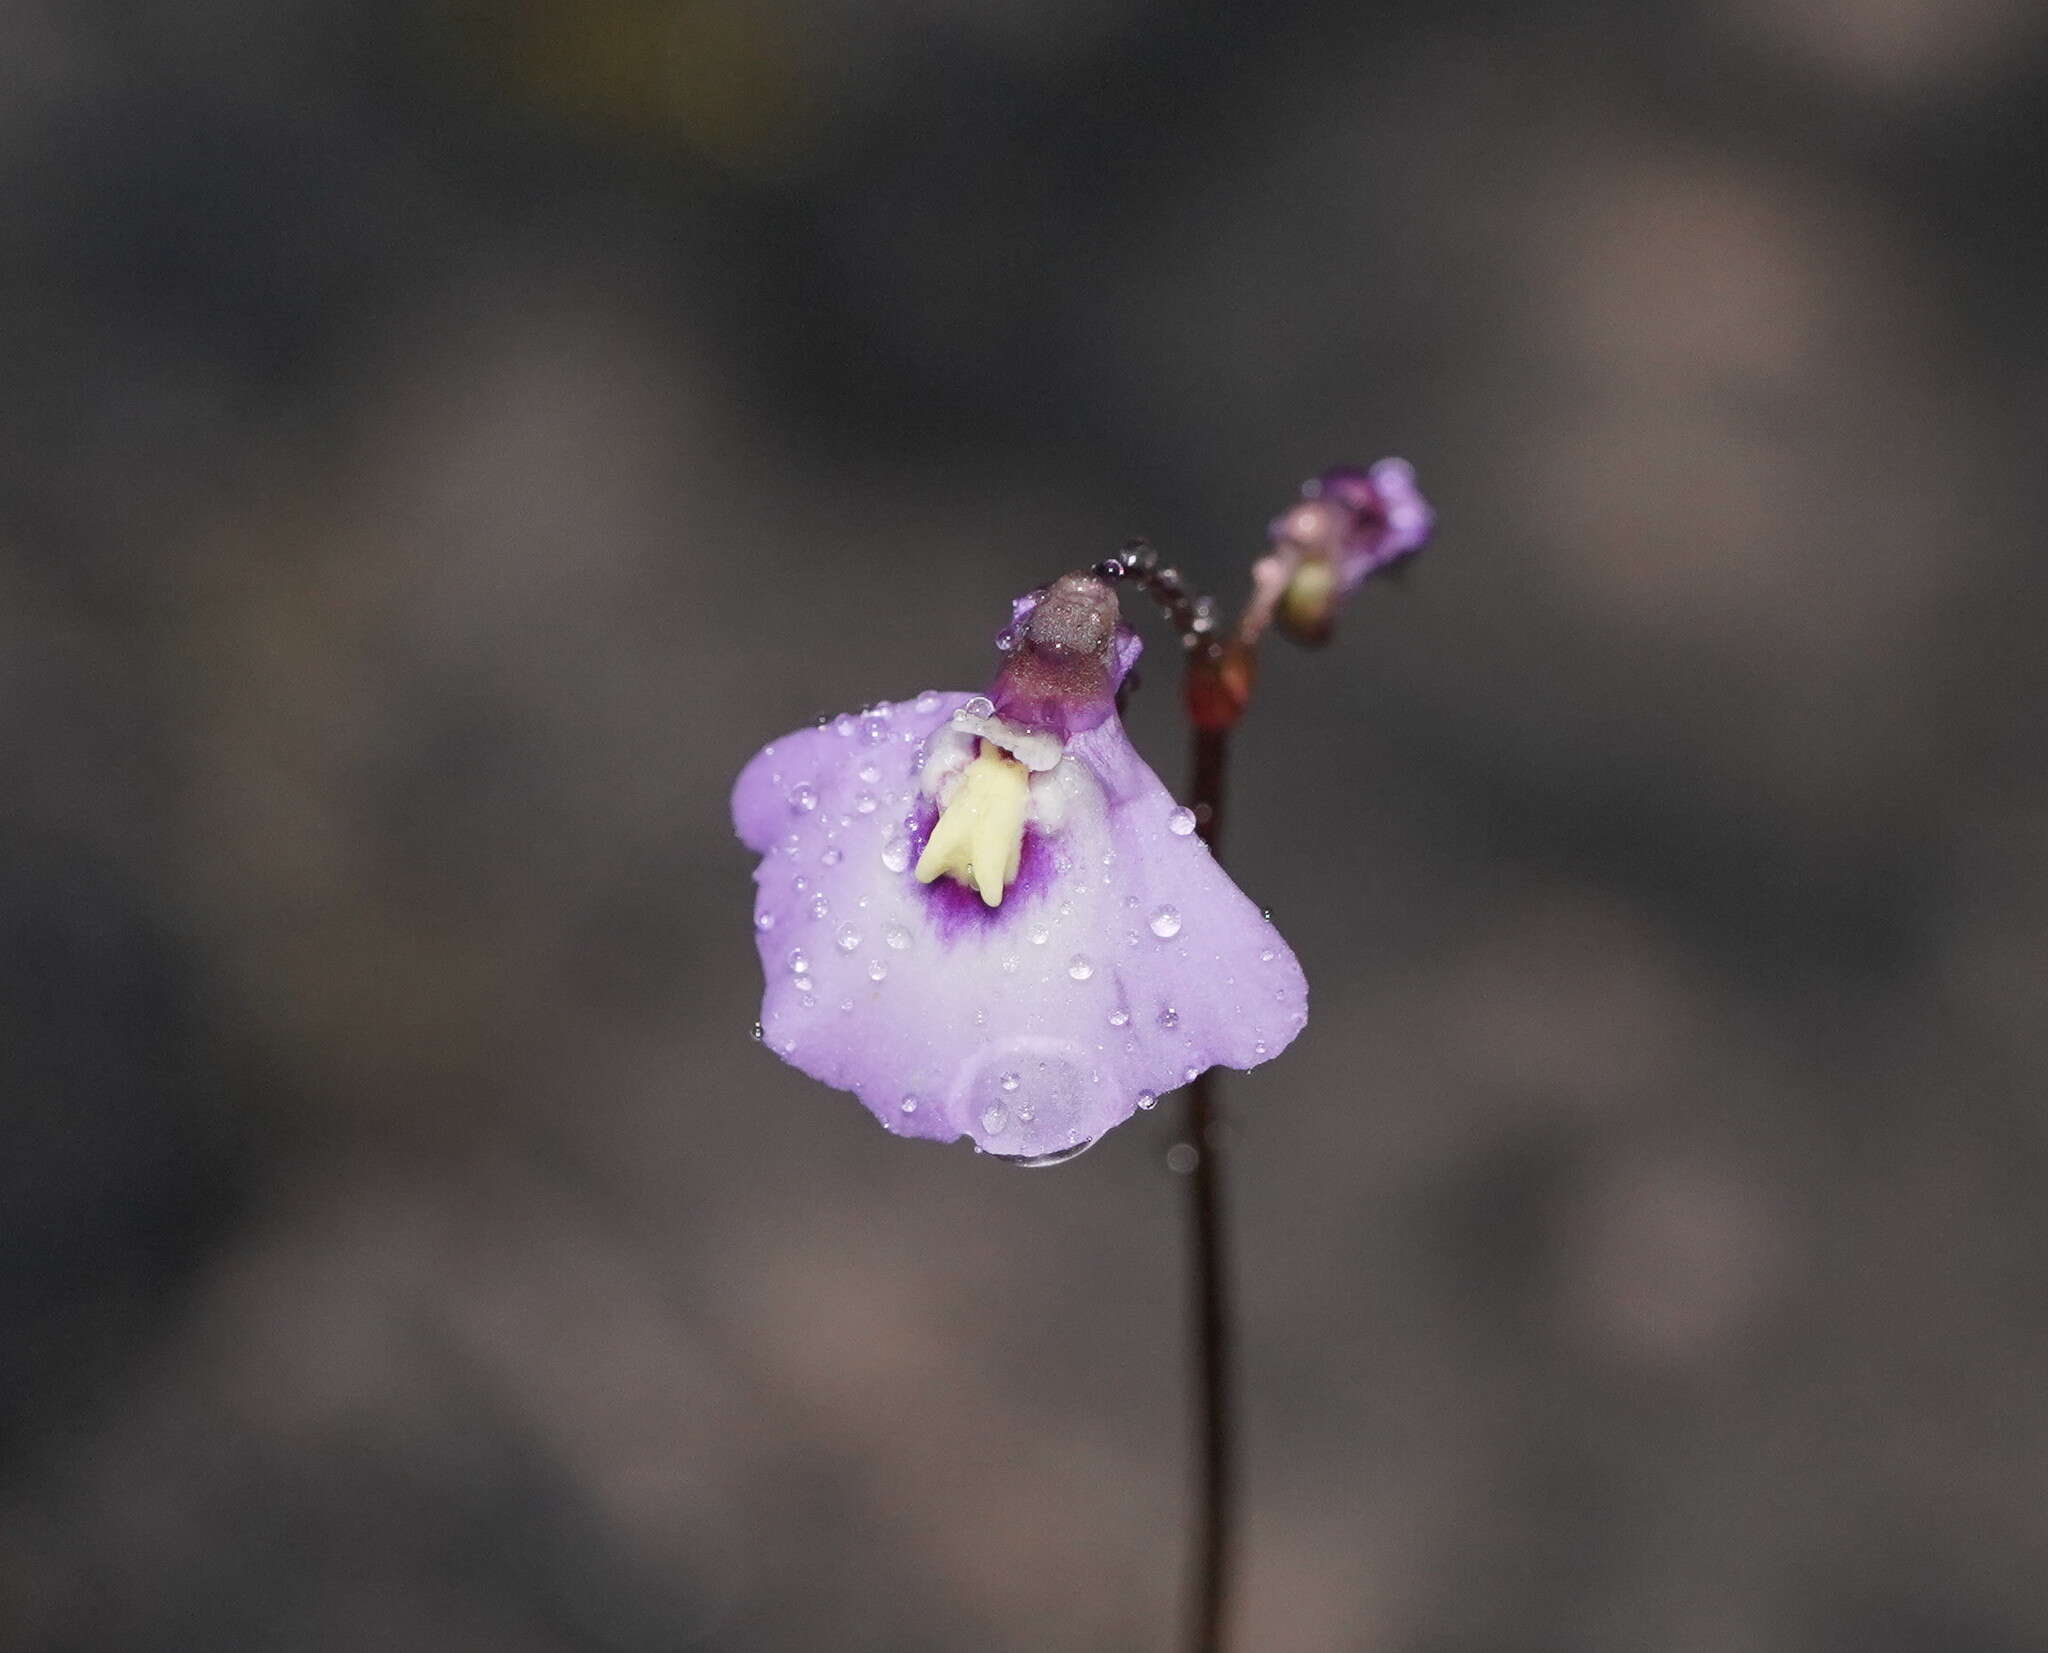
(979, 836)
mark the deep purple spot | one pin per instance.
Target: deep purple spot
(954, 909)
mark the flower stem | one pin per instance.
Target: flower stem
(1215, 1533)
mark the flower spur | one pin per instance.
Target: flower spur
(986, 917)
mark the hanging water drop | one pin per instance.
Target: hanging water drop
(1181, 822)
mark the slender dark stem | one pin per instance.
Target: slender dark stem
(1215, 1541)
(1193, 618)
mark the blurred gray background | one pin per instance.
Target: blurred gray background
(440, 441)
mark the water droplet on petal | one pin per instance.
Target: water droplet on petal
(799, 961)
(1079, 967)
(896, 936)
(1058, 1156)
(928, 701)
(757, 1033)
(832, 856)
(1119, 1016)
(764, 921)
(1038, 935)
(803, 799)
(1181, 822)
(820, 906)
(1267, 955)
(847, 939)
(1190, 1075)
(869, 773)
(1165, 923)
(1147, 1101)
(1009, 1081)
(864, 804)
(993, 1118)
(1258, 1047)
(1168, 1016)
(877, 970)
(896, 852)
(909, 1104)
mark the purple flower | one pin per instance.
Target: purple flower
(1349, 524)
(987, 918)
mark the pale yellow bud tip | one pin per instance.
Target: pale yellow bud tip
(978, 838)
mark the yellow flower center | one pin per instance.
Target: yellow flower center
(979, 835)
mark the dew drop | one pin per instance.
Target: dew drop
(1267, 955)
(1166, 923)
(1009, 1081)
(757, 1033)
(896, 936)
(979, 706)
(820, 906)
(869, 773)
(896, 853)
(994, 1117)
(1058, 1156)
(1168, 1016)
(928, 701)
(845, 1006)
(877, 970)
(864, 804)
(847, 939)
(832, 856)
(1147, 1101)
(1119, 1017)
(1258, 1047)
(1039, 935)
(799, 961)
(908, 1104)
(1181, 822)
(803, 799)
(1079, 968)
(1010, 963)
(792, 844)
(1190, 1075)
(874, 728)
(764, 921)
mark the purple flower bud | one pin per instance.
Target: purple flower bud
(1348, 525)
(986, 917)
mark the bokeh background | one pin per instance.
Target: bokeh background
(439, 441)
